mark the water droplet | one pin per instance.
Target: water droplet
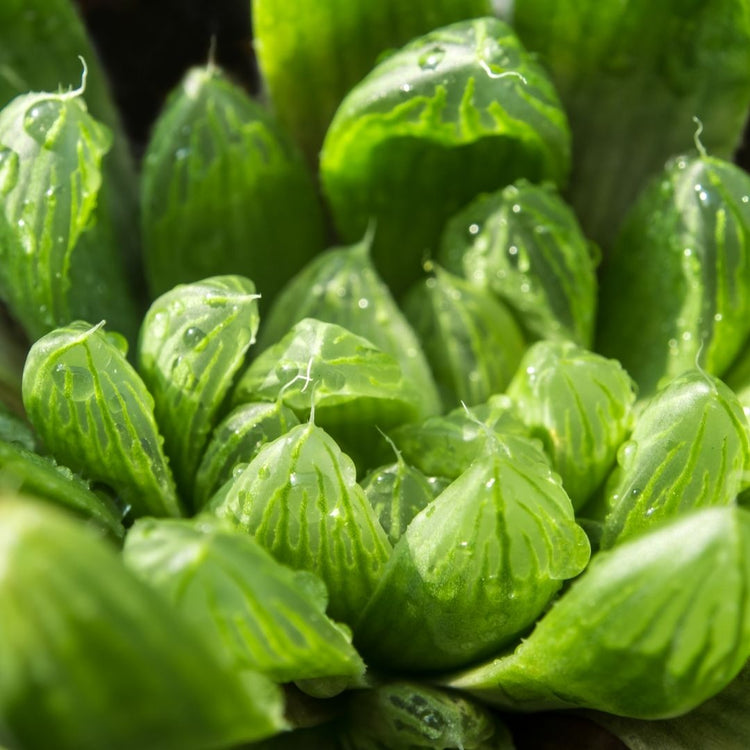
(363, 304)
(474, 229)
(635, 491)
(650, 511)
(687, 252)
(432, 58)
(405, 87)
(8, 170)
(718, 317)
(193, 336)
(516, 208)
(40, 119)
(626, 452)
(745, 198)
(239, 469)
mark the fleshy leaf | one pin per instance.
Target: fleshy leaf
(447, 445)
(524, 243)
(341, 286)
(397, 492)
(477, 566)
(632, 77)
(653, 628)
(262, 615)
(50, 270)
(670, 466)
(300, 500)
(404, 714)
(217, 159)
(25, 471)
(354, 386)
(81, 640)
(311, 54)
(193, 340)
(674, 291)
(460, 111)
(579, 405)
(236, 441)
(96, 416)
(471, 340)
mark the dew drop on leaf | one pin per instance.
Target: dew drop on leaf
(40, 119)
(432, 58)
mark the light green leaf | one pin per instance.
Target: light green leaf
(476, 567)
(673, 465)
(50, 270)
(193, 340)
(447, 445)
(300, 500)
(674, 291)
(471, 340)
(90, 657)
(236, 441)
(217, 159)
(525, 244)
(341, 286)
(96, 416)
(653, 628)
(260, 614)
(353, 386)
(461, 110)
(579, 405)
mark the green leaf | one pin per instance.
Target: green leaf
(653, 628)
(674, 291)
(353, 386)
(722, 722)
(476, 567)
(13, 429)
(96, 416)
(27, 472)
(410, 715)
(471, 340)
(193, 340)
(90, 657)
(397, 492)
(632, 77)
(461, 110)
(300, 500)
(447, 445)
(217, 159)
(525, 244)
(311, 54)
(262, 615)
(673, 465)
(50, 270)
(341, 286)
(579, 405)
(236, 441)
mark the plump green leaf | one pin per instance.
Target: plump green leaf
(525, 244)
(672, 465)
(312, 53)
(90, 657)
(353, 386)
(447, 445)
(653, 628)
(341, 286)
(397, 492)
(477, 566)
(579, 405)
(51, 151)
(300, 500)
(217, 159)
(236, 441)
(96, 416)
(193, 340)
(632, 76)
(674, 290)
(404, 714)
(471, 340)
(461, 110)
(25, 471)
(262, 615)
